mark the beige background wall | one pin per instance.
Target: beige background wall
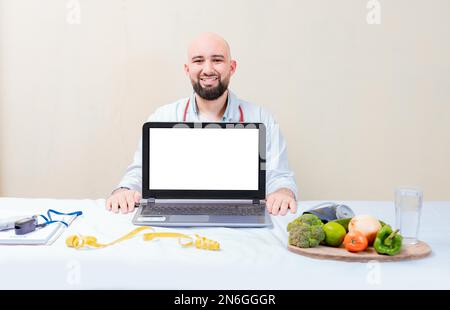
(364, 108)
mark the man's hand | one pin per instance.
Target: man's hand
(123, 199)
(280, 201)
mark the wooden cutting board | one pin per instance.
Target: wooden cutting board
(408, 252)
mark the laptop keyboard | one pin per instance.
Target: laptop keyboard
(203, 209)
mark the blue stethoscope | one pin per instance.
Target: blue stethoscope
(27, 225)
(48, 219)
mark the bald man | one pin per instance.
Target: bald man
(209, 67)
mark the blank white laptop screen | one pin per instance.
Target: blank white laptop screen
(203, 159)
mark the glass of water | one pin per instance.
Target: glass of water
(408, 207)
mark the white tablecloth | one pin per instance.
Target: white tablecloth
(249, 258)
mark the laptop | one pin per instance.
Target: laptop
(203, 174)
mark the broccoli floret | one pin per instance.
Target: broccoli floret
(309, 219)
(306, 231)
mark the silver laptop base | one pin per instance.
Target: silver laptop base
(153, 213)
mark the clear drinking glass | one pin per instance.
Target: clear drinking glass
(408, 207)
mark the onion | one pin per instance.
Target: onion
(365, 224)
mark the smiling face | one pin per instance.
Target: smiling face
(209, 66)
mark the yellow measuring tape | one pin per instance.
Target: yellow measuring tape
(79, 242)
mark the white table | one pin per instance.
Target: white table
(249, 259)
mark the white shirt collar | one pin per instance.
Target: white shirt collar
(230, 111)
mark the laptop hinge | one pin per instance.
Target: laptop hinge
(146, 201)
(153, 200)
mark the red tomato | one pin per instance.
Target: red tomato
(355, 241)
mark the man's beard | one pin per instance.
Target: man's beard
(211, 93)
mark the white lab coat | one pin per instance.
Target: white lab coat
(278, 174)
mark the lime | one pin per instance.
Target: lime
(334, 233)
